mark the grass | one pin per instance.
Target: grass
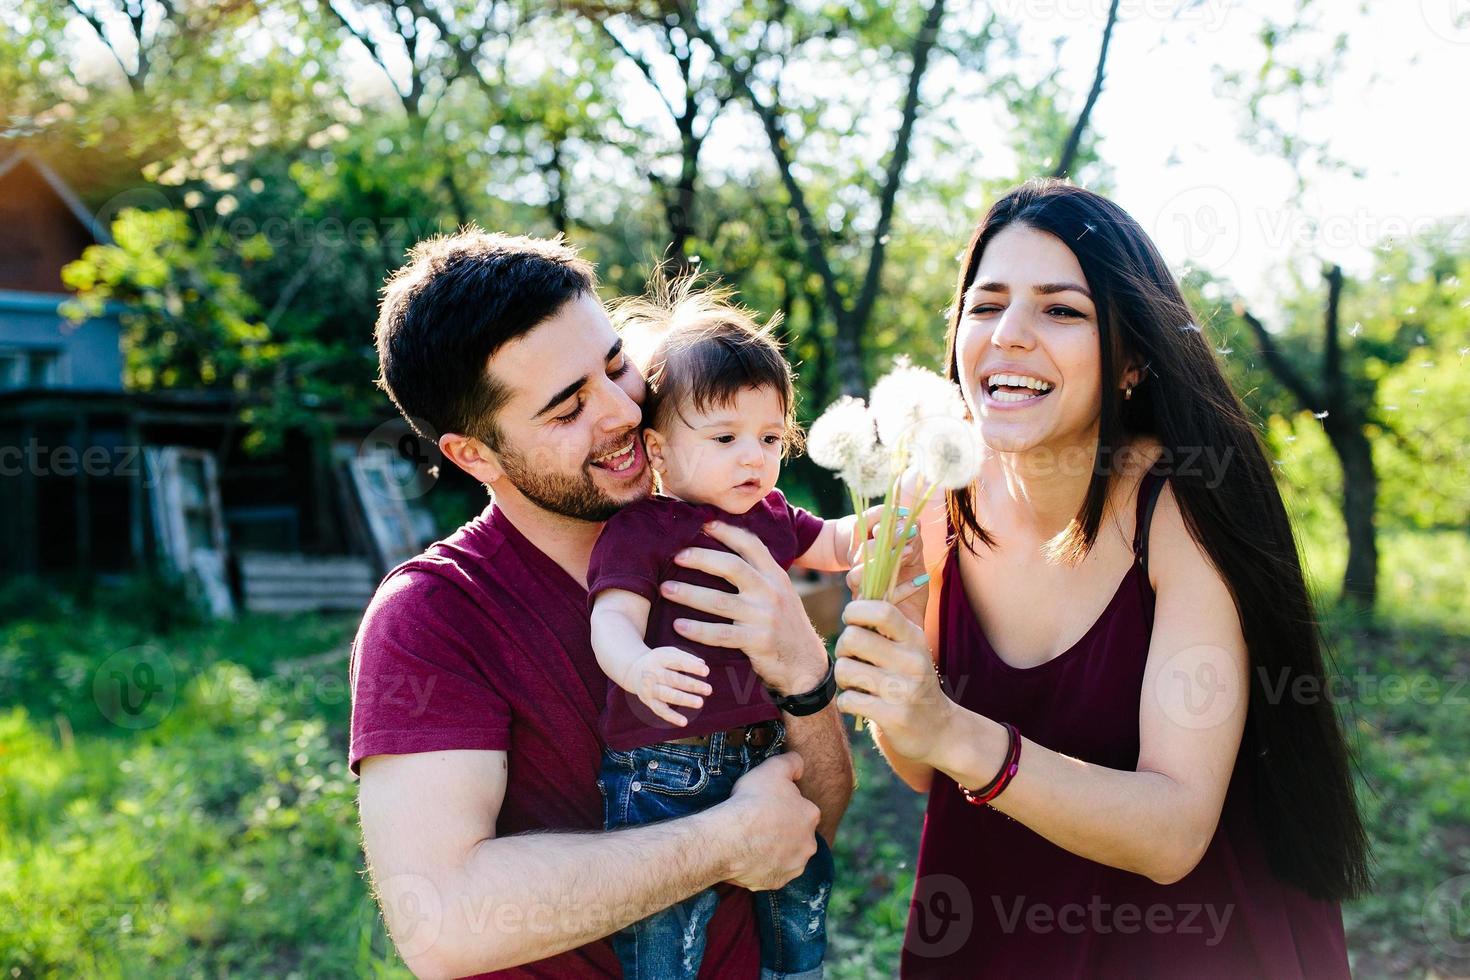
(217, 834)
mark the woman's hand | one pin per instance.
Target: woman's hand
(911, 585)
(885, 674)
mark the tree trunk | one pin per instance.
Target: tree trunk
(1359, 504)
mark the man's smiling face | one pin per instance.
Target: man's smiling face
(569, 431)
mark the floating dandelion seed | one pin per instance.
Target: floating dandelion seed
(1086, 227)
(1411, 311)
(1319, 415)
(1291, 438)
(885, 239)
(1222, 351)
(1420, 340)
(1357, 328)
(1190, 326)
(1390, 408)
(1463, 352)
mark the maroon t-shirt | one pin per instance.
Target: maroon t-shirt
(483, 642)
(635, 553)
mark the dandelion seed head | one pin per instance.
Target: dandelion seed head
(842, 433)
(907, 395)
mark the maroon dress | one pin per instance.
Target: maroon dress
(995, 899)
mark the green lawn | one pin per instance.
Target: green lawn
(210, 829)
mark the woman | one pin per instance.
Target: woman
(1132, 766)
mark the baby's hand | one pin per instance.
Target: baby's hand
(666, 677)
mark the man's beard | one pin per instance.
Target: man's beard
(570, 495)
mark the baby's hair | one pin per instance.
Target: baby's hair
(698, 347)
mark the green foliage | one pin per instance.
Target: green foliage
(187, 320)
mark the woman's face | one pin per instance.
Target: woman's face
(1027, 345)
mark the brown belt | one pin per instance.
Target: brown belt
(757, 736)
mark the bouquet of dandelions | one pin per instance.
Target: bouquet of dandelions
(914, 423)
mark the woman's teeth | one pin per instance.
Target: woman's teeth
(618, 461)
(1006, 388)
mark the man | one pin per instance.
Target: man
(475, 688)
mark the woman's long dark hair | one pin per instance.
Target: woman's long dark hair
(1295, 756)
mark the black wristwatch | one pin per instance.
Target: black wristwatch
(814, 700)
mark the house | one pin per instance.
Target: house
(96, 480)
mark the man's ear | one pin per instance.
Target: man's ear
(656, 446)
(472, 456)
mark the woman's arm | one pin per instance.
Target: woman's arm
(1157, 820)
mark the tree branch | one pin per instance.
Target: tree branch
(1074, 139)
(923, 46)
(1278, 364)
(642, 65)
(100, 30)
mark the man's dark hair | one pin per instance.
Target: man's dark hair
(458, 300)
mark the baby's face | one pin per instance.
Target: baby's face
(728, 456)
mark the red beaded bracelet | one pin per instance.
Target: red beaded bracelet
(992, 789)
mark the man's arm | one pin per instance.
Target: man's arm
(458, 900)
(769, 623)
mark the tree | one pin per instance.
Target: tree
(1342, 412)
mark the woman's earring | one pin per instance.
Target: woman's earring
(1127, 393)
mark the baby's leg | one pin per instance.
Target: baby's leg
(646, 785)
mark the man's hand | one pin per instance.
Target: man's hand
(667, 677)
(773, 827)
(767, 620)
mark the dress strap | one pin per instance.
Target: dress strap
(1148, 498)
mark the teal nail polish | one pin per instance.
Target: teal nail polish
(903, 512)
(921, 580)
(913, 531)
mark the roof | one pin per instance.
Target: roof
(59, 186)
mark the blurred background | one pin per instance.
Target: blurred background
(200, 484)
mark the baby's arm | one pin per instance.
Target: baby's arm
(661, 677)
(832, 549)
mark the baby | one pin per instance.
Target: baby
(683, 720)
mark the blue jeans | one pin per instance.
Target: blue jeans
(664, 781)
